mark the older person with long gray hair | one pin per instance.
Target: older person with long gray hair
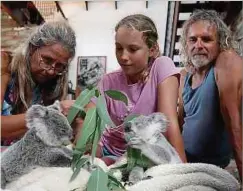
(210, 91)
(36, 73)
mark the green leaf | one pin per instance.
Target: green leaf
(82, 100)
(76, 152)
(144, 161)
(96, 138)
(113, 180)
(102, 111)
(79, 165)
(102, 126)
(132, 155)
(97, 93)
(117, 95)
(80, 108)
(82, 114)
(75, 159)
(88, 129)
(98, 181)
(130, 117)
(112, 186)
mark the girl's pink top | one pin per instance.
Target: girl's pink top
(142, 99)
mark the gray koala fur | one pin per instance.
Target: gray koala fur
(42, 145)
(145, 133)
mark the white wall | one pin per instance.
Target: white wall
(95, 28)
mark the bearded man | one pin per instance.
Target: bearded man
(210, 99)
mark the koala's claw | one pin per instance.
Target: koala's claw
(147, 177)
(128, 183)
(135, 141)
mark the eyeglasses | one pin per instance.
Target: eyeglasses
(58, 68)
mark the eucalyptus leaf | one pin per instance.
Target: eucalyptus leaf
(144, 161)
(117, 95)
(88, 129)
(89, 143)
(79, 165)
(78, 107)
(102, 111)
(112, 186)
(82, 100)
(112, 179)
(82, 114)
(96, 139)
(131, 158)
(98, 181)
(97, 93)
(102, 126)
(76, 152)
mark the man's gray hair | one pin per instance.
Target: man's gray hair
(225, 38)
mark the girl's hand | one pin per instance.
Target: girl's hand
(66, 105)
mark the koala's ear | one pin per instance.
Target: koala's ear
(56, 106)
(35, 112)
(160, 118)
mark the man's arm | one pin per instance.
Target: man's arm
(228, 74)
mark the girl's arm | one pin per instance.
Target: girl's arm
(167, 104)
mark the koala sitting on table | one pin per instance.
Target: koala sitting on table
(145, 133)
(42, 145)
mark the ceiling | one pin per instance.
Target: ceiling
(19, 17)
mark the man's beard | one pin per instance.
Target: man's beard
(199, 61)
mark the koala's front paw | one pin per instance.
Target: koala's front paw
(128, 183)
(147, 177)
(67, 152)
(136, 143)
(136, 174)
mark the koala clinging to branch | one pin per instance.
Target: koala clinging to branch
(145, 133)
(42, 145)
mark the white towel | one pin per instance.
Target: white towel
(185, 177)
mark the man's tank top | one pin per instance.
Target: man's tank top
(204, 132)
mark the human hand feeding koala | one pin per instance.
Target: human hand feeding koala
(42, 145)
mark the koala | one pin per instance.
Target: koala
(42, 145)
(91, 73)
(145, 133)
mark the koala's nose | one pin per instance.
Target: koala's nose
(128, 127)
